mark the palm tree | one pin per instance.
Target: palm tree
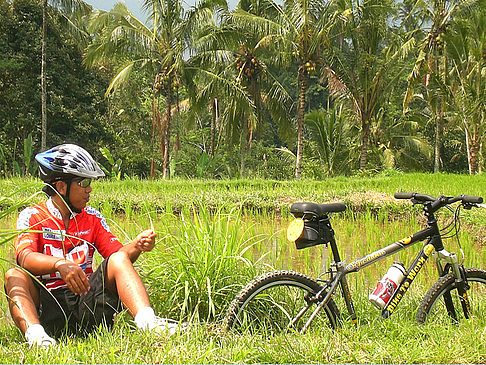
(232, 59)
(400, 142)
(209, 79)
(362, 52)
(465, 49)
(253, 70)
(67, 7)
(157, 49)
(332, 130)
(431, 64)
(44, 78)
(303, 25)
(293, 31)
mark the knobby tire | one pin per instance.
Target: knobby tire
(433, 309)
(269, 301)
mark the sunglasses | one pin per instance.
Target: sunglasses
(83, 182)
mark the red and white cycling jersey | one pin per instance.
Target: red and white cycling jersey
(43, 231)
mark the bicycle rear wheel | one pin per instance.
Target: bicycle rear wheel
(270, 302)
(433, 307)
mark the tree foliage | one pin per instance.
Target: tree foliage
(75, 100)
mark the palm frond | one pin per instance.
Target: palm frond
(119, 78)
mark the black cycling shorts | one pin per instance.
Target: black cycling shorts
(63, 312)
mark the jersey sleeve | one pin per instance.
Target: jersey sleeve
(27, 226)
(105, 242)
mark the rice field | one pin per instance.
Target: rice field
(215, 236)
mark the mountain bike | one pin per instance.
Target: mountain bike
(283, 300)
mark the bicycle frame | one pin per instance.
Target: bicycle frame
(341, 270)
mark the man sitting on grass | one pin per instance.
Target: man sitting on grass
(56, 291)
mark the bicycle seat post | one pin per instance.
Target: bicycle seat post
(335, 252)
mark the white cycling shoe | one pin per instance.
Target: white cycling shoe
(44, 342)
(36, 336)
(166, 326)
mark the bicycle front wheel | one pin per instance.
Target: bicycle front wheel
(433, 307)
(270, 303)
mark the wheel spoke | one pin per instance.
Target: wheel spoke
(278, 302)
(444, 302)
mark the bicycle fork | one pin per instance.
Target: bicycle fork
(460, 280)
(417, 265)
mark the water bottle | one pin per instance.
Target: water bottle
(387, 285)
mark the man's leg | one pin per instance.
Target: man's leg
(121, 278)
(23, 299)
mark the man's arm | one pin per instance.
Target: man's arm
(40, 264)
(144, 242)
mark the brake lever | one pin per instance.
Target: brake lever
(415, 201)
(475, 205)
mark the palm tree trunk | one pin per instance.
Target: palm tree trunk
(214, 125)
(365, 137)
(480, 161)
(442, 69)
(302, 83)
(154, 128)
(44, 78)
(437, 142)
(177, 141)
(243, 144)
(468, 149)
(474, 161)
(165, 167)
(473, 147)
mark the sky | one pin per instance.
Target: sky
(135, 6)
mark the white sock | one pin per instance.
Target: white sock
(35, 332)
(145, 318)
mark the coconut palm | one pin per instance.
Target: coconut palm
(431, 64)
(401, 143)
(232, 59)
(67, 8)
(252, 64)
(465, 50)
(157, 49)
(44, 77)
(293, 31)
(208, 83)
(333, 131)
(363, 55)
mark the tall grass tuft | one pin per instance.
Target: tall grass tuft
(200, 262)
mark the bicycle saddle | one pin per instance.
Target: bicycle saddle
(318, 210)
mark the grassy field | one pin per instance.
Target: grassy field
(226, 232)
(260, 195)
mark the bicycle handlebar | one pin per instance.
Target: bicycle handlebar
(440, 201)
(416, 196)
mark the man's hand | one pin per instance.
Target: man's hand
(40, 264)
(73, 276)
(145, 241)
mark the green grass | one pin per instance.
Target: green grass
(396, 340)
(226, 232)
(133, 196)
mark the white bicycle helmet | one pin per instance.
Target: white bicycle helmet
(67, 161)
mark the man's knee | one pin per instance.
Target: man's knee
(119, 260)
(19, 285)
(118, 263)
(14, 277)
